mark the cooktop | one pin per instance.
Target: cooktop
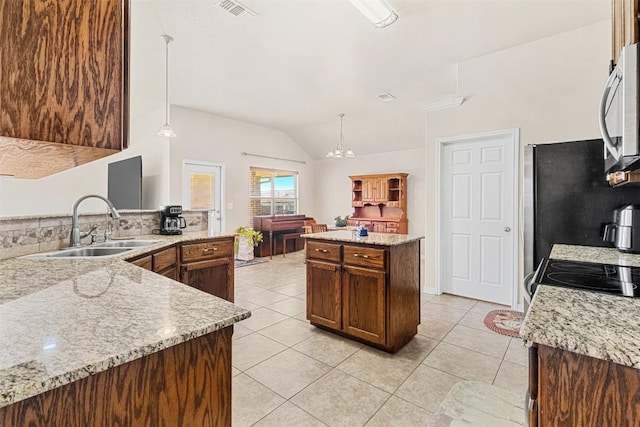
(612, 279)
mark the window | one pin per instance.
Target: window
(272, 192)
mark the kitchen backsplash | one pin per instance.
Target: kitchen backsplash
(24, 235)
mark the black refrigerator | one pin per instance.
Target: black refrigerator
(567, 198)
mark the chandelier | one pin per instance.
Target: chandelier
(166, 130)
(339, 150)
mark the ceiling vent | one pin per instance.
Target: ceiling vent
(386, 97)
(236, 9)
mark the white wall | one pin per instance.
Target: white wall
(210, 138)
(56, 194)
(549, 88)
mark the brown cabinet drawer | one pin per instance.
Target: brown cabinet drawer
(164, 259)
(204, 251)
(144, 262)
(323, 251)
(364, 257)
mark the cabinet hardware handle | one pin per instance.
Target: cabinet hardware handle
(208, 249)
(360, 256)
(324, 251)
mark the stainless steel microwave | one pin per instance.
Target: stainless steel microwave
(619, 114)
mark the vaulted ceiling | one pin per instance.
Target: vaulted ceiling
(299, 63)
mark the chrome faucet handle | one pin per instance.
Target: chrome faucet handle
(89, 233)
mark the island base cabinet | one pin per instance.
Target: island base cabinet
(188, 384)
(323, 294)
(578, 390)
(363, 297)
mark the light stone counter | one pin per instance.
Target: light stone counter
(595, 324)
(64, 319)
(349, 236)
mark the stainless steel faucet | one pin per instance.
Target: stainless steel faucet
(75, 230)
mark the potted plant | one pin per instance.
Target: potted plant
(246, 240)
(340, 222)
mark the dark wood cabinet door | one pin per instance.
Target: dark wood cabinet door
(363, 303)
(578, 390)
(171, 273)
(323, 294)
(214, 277)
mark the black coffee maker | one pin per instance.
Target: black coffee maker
(171, 221)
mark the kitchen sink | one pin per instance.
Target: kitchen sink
(127, 243)
(86, 252)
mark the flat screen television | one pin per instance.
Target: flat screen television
(124, 184)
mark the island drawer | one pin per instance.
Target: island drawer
(323, 251)
(364, 257)
(164, 259)
(204, 251)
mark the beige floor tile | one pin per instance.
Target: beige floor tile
(251, 400)
(245, 289)
(441, 312)
(289, 415)
(262, 297)
(328, 348)
(489, 343)
(235, 371)
(240, 331)
(399, 413)
(246, 304)
(250, 350)
(512, 377)
(475, 320)
(384, 370)
(484, 307)
(427, 387)
(517, 353)
(338, 399)
(454, 301)
(463, 363)
(426, 297)
(289, 306)
(288, 372)
(302, 316)
(289, 332)
(261, 318)
(292, 289)
(433, 328)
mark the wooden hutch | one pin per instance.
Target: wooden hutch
(380, 202)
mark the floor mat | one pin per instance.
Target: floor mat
(504, 322)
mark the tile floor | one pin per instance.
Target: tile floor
(289, 373)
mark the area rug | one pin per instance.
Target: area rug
(254, 261)
(504, 322)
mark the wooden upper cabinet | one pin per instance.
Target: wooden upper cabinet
(380, 202)
(63, 83)
(624, 14)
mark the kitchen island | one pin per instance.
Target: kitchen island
(366, 288)
(584, 359)
(104, 342)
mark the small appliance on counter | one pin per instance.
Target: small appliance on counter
(624, 233)
(171, 220)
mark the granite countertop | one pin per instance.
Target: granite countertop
(349, 236)
(594, 324)
(64, 319)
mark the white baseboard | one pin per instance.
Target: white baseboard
(429, 290)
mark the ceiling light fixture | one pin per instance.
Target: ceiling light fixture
(339, 150)
(379, 12)
(166, 130)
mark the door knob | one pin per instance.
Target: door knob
(507, 229)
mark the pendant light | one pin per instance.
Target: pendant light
(166, 129)
(379, 12)
(339, 151)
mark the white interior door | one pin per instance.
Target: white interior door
(202, 189)
(478, 211)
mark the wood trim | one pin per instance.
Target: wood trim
(188, 384)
